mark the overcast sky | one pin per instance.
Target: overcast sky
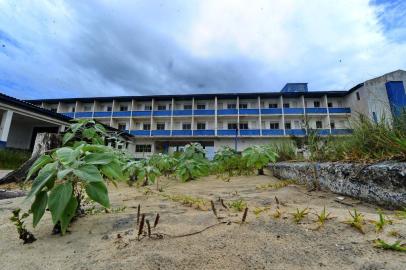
(51, 49)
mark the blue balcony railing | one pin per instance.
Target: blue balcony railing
(102, 114)
(142, 113)
(140, 132)
(250, 132)
(203, 132)
(271, 111)
(160, 132)
(323, 132)
(182, 112)
(181, 132)
(122, 114)
(341, 131)
(272, 132)
(162, 113)
(293, 110)
(227, 111)
(249, 111)
(339, 110)
(295, 132)
(69, 114)
(83, 115)
(227, 132)
(316, 110)
(203, 112)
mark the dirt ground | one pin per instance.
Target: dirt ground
(109, 240)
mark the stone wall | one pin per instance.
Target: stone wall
(383, 184)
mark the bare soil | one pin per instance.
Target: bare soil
(109, 240)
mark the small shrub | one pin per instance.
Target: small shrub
(257, 157)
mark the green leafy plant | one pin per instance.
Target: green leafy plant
(259, 210)
(189, 201)
(323, 216)
(257, 157)
(192, 163)
(356, 221)
(84, 131)
(166, 164)
(227, 163)
(381, 222)
(299, 215)
(64, 175)
(397, 246)
(237, 205)
(18, 221)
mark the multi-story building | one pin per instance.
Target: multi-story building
(164, 123)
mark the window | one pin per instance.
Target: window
(161, 107)
(286, 105)
(232, 125)
(146, 127)
(330, 104)
(53, 109)
(201, 106)
(87, 108)
(147, 108)
(231, 106)
(243, 106)
(201, 125)
(374, 117)
(160, 126)
(358, 96)
(274, 125)
(243, 125)
(319, 124)
(109, 108)
(123, 108)
(333, 125)
(187, 107)
(273, 105)
(143, 148)
(316, 104)
(122, 126)
(73, 109)
(186, 126)
(288, 126)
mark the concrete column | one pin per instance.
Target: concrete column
(283, 115)
(93, 108)
(76, 109)
(5, 127)
(304, 112)
(173, 104)
(112, 111)
(259, 116)
(58, 109)
(238, 113)
(131, 116)
(193, 114)
(328, 113)
(152, 118)
(215, 116)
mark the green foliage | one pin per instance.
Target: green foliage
(300, 214)
(323, 216)
(356, 221)
(142, 170)
(18, 221)
(227, 162)
(381, 222)
(401, 213)
(165, 164)
(257, 157)
(237, 205)
(397, 246)
(277, 185)
(285, 151)
(192, 163)
(189, 201)
(11, 159)
(84, 130)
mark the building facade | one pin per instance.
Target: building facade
(164, 123)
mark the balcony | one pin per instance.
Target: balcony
(249, 111)
(293, 110)
(181, 132)
(160, 133)
(227, 112)
(339, 110)
(250, 132)
(140, 132)
(203, 132)
(162, 113)
(295, 132)
(69, 114)
(272, 132)
(226, 132)
(316, 110)
(323, 132)
(271, 111)
(182, 112)
(142, 113)
(203, 112)
(122, 114)
(341, 131)
(83, 115)
(102, 114)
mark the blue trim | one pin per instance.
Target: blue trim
(227, 111)
(396, 96)
(69, 114)
(181, 132)
(121, 113)
(142, 113)
(102, 114)
(182, 112)
(160, 133)
(83, 115)
(272, 132)
(323, 132)
(343, 131)
(203, 112)
(316, 110)
(162, 113)
(271, 111)
(140, 132)
(203, 132)
(3, 144)
(295, 132)
(250, 132)
(226, 132)
(249, 111)
(339, 110)
(293, 110)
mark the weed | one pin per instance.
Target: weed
(18, 221)
(394, 233)
(401, 214)
(258, 210)
(12, 158)
(189, 201)
(397, 246)
(277, 185)
(323, 216)
(381, 222)
(277, 213)
(356, 221)
(300, 214)
(237, 205)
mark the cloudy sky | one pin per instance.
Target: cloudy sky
(51, 49)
